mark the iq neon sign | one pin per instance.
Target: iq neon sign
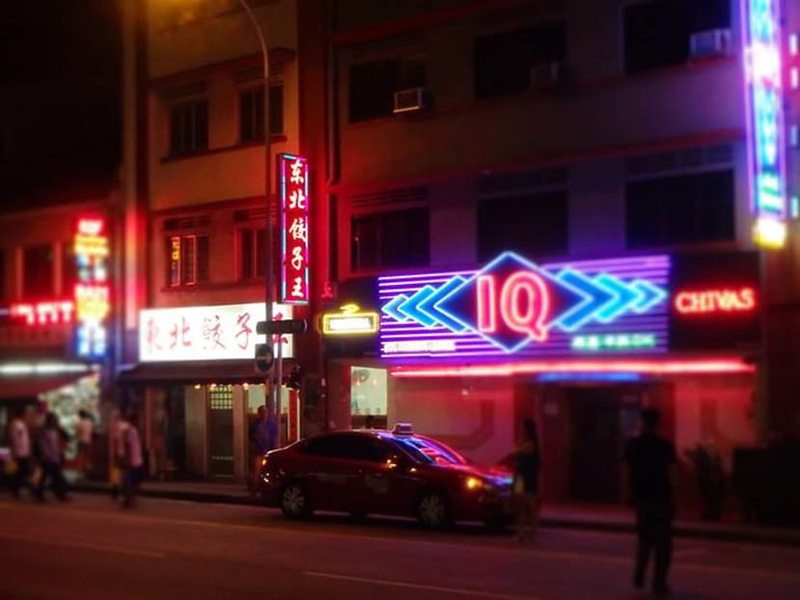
(765, 119)
(514, 306)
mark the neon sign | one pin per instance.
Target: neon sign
(54, 312)
(722, 300)
(92, 291)
(513, 306)
(613, 341)
(293, 176)
(764, 101)
(351, 321)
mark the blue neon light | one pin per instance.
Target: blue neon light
(610, 377)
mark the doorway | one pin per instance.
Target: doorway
(220, 430)
(597, 443)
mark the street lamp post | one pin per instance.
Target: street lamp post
(274, 387)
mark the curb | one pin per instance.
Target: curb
(766, 537)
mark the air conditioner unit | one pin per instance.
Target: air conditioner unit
(412, 100)
(548, 75)
(710, 43)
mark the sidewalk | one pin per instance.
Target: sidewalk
(567, 516)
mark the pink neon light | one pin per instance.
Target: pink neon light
(652, 367)
(716, 300)
(536, 302)
(44, 313)
(487, 309)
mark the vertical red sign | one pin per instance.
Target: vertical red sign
(293, 181)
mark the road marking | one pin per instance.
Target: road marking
(81, 545)
(419, 586)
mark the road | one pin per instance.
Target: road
(90, 548)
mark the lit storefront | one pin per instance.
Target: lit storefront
(198, 388)
(580, 346)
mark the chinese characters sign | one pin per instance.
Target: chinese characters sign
(293, 181)
(226, 332)
(92, 291)
(766, 142)
(513, 306)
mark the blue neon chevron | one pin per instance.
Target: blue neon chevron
(428, 306)
(410, 307)
(650, 295)
(390, 308)
(596, 297)
(624, 297)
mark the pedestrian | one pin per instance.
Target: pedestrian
(83, 432)
(128, 457)
(263, 432)
(49, 441)
(651, 463)
(369, 422)
(527, 463)
(21, 453)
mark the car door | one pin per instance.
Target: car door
(389, 480)
(332, 472)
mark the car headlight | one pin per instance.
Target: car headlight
(474, 484)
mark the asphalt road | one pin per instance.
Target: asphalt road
(90, 548)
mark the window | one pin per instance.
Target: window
(38, 272)
(685, 209)
(657, 33)
(251, 113)
(373, 84)
(533, 225)
(187, 260)
(189, 127)
(391, 239)
(348, 446)
(252, 253)
(503, 61)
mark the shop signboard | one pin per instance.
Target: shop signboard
(92, 290)
(195, 333)
(617, 306)
(293, 190)
(764, 98)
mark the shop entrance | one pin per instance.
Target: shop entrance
(220, 430)
(597, 443)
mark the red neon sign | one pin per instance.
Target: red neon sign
(293, 174)
(716, 300)
(523, 303)
(54, 312)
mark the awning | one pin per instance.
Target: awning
(189, 373)
(26, 388)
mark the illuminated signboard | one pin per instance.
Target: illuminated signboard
(293, 182)
(92, 291)
(513, 306)
(716, 300)
(351, 321)
(226, 332)
(761, 27)
(55, 312)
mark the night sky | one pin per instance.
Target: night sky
(59, 99)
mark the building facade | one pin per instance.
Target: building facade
(196, 219)
(552, 207)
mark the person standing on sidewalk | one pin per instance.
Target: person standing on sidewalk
(128, 456)
(50, 442)
(527, 468)
(263, 432)
(21, 453)
(83, 432)
(651, 461)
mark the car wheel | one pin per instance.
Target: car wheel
(294, 501)
(433, 510)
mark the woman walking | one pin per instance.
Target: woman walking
(527, 468)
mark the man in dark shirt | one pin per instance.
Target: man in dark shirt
(651, 460)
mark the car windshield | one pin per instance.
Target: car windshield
(427, 450)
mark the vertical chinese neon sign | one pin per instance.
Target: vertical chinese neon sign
(92, 292)
(764, 101)
(293, 181)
